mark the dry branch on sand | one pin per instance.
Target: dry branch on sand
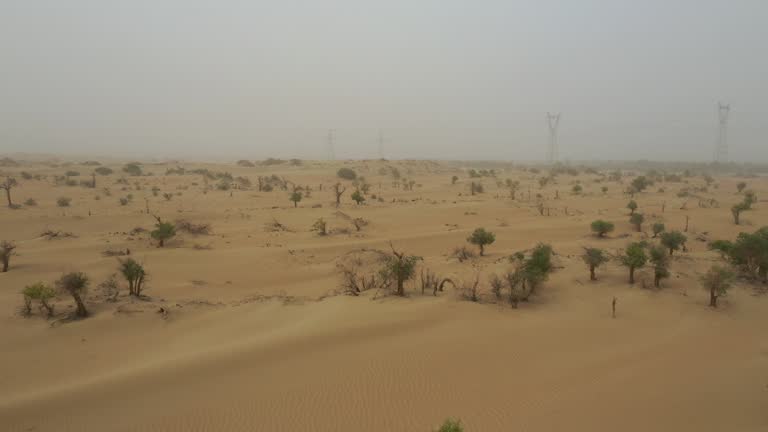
(188, 227)
(51, 234)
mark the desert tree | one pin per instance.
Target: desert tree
(399, 267)
(357, 197)
(338, 191)
(163, 231)
(749, 253)
(640, 183)
(346, 173)
(577, 189)
(76, 285)
(634, 257)
(296, 196)
(673, 240)
(660, 261)
(632, 206)
(132, 169)
(42, 293)
(658, 228)
(103, 171)
(63, 201)
(594, 258)
(481, 238)
(637, 220)
(134, 274)
(604, 189)
(7, 185)
(741, 186)
(320, 226)
(601, 227)
(717, 280)
(7, 250)
(746, 204)
(454, 179)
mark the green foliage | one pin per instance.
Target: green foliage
(346, 173)
(601, 227)
(76, 285)
(741, 186)
(40, 292)
(480, 237)
(577, 189)
(454, 179)
(451, 425)
(637, 220)
(594, 258)
(134, 274)
(296, 196)
(639, 184)
(63, 201)
(320, 226)
(400, 268)
(358, 197)
(749, 253)
(163, 231)
(632, 206)
(673, 240)
(132, 168)
(658, 228)
(717, 281)
(634, 257)
(660, 261)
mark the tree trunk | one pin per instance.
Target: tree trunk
(8, 197)
(671, 251)
(162, 243)
(735, 217)
(712, 299)
(400, 289)
(6, 260)
(592, 273)
(482, 250)
(656, 280)
(81, 311)
(631, 275)
(295, 204)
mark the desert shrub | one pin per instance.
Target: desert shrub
(186, 226)
(741, 186)
(163, 231)
(26, 176)
(76, 285)
(634, 257)
(462, 253)
(124, 201)
(272, 161)
(30, 202)
(632, 206)
(320, 226)
(346, 173)
(658, 228)
(359, 223)
(481, 238)
(470, 290)
(673, 240)
(717, 281)
(357, 197)
(296, 197)
(133, 169)
(7, 250)
(104, 171)
(40, 292)
(399, 268)
(71, 173)
(110, 288)
(454, 179)
(134, 274)
(63, 201)
(637, 220)
(295, 162)
(577, 189)
(245, 163)
(476, 187)
(594, 258)
(660, 261)
(601, 227)
(167, 196)
(639, 184)
(749, 253)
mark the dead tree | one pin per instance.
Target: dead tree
(8, 184)
(338, 191)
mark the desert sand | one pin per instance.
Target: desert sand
(256, 334)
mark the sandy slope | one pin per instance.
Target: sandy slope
(254, 341)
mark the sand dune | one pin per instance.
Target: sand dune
(258, 338)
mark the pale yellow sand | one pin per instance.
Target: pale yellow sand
(256, 340)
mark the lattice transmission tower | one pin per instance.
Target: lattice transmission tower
(553, 123)
(721, 148)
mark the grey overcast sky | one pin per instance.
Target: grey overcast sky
(441, 78)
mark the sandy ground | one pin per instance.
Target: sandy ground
(257, 337)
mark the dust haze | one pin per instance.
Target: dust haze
(439, 79)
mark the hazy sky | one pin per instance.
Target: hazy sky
(442, 79)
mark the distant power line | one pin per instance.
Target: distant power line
(553, 122)
(721, 148)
